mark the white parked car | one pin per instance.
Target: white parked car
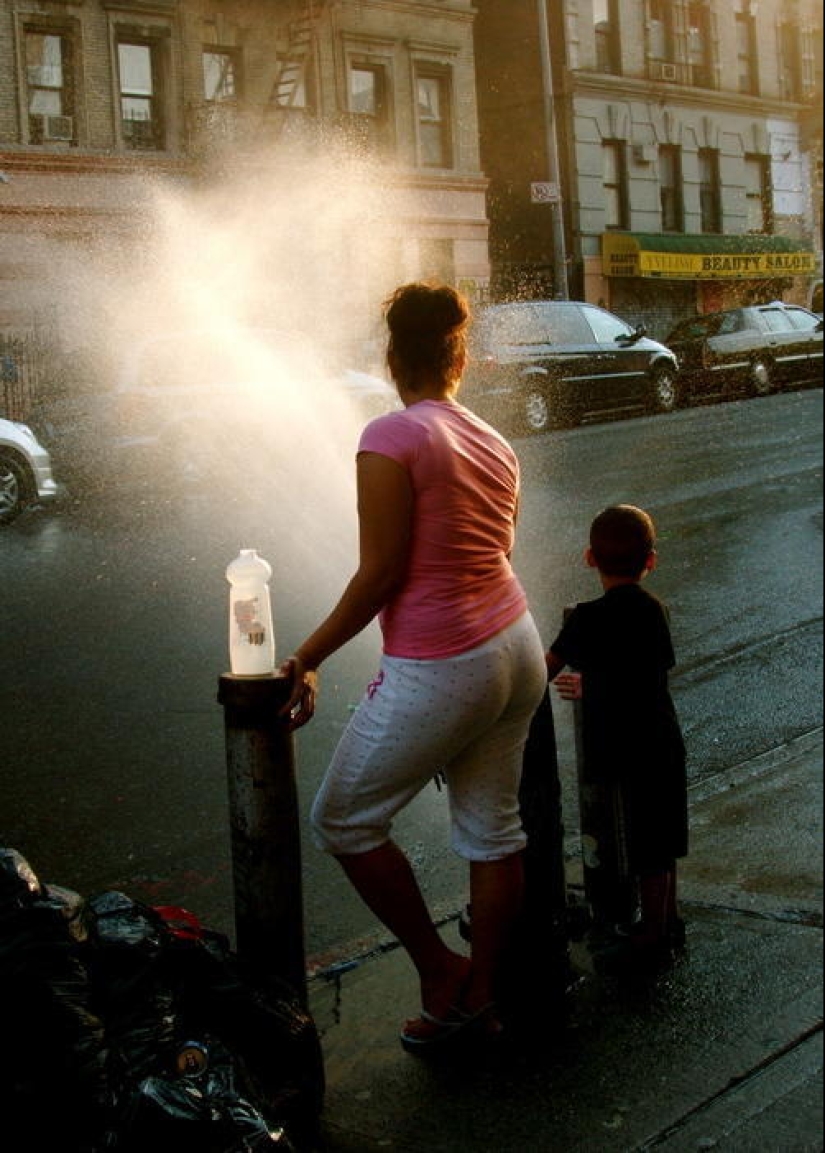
(25, 470)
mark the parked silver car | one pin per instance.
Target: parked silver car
(25, 470)
(753, 350)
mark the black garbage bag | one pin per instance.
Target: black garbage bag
(133, 990)
(136, 1030)
(197, 1108)
(162, 979)
(275, 1046)
(53, 1084)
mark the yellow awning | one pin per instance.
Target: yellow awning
(686, 257)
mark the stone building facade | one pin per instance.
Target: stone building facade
(688, 145)
(99, 96)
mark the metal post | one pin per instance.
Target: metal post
(536, 971)
(562, 290)
(264, 828)
(608, 886)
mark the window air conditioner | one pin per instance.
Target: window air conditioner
(661, 71)
(55, 127)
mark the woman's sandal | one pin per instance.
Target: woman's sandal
(457, 1025)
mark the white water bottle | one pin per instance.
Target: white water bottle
(251, 640)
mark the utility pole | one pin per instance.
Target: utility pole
(557, 204)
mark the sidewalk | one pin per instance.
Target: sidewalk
(724, 1052)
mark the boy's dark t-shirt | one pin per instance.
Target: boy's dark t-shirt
(621, 645)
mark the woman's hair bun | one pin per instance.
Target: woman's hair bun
(426, 309)
(428, 325)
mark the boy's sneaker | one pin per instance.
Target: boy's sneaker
(631, 953)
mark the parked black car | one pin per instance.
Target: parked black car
(543, 364)
(752, 351)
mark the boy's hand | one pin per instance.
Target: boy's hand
(569, 686)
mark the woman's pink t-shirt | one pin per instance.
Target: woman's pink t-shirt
(460, 589)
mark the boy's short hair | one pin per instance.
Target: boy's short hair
(622, 538)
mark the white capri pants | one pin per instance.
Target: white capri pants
(466, 716)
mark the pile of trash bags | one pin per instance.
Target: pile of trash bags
(133, 1028)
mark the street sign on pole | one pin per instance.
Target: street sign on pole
(561, 289)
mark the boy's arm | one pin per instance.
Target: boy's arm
(554, 664)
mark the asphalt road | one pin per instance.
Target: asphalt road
(113, 620)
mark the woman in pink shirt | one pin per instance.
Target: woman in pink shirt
(462, 669)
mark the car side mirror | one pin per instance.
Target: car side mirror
(631, 337)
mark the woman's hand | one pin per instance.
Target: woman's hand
(569, 686)
(300, 707)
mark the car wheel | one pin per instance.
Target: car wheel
(664, 389)
(535, 410)
(15, 486)
(760, 378)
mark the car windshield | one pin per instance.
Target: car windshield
(606, 327)
(776, 319)
(802, 319)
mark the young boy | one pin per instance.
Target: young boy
(621, 649)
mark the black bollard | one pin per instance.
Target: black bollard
(264, 829)
(536, 972)
(608, 885)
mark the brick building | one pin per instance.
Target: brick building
(688, 137)
(99, 97)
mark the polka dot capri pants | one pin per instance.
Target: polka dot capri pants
(466, 716)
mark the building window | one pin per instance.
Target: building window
(670, 188)
(699, 45)
(790, 60)
(746, 50)
(220, 75)
(758, 194)
(605, 22)
(437, 260)
(710, 192)
(435, 137)
(140, 114)
(614, 179)
(659, 36)
(368, 101)
(294, 87)
(50, 92)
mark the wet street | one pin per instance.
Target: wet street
(113, 622)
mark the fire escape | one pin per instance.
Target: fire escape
(287, 110)
(294, 64)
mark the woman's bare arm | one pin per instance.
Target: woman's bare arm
(385, 506)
